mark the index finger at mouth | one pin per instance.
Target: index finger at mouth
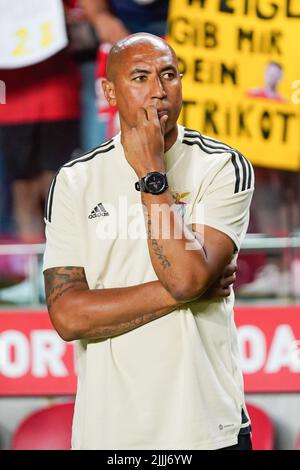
(152, 113)
(141, 115)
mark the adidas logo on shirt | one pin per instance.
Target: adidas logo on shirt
(98, 211)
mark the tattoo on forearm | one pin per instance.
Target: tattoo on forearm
(108, 331)
(158, 249)
(60, 280)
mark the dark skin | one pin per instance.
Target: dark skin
(79, 312)
(145, 84)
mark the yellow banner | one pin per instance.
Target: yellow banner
(241, 65)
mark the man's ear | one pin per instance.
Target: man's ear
(109, 92)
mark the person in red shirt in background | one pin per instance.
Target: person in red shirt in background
(84, 45)
(114, 20)
(39, 131)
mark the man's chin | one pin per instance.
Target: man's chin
(170, 128)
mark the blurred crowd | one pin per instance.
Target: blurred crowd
(55, 111)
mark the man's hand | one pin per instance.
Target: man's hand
(144, 144)
(109, 28)
(222, 287)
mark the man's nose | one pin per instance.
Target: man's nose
(157, 89)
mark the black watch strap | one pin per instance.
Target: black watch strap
(144, 184)
(140, 186)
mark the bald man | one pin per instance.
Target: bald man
(139, 234)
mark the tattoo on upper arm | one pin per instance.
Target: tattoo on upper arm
(60, 280)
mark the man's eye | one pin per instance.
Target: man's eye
(169, 75)
(140, 78)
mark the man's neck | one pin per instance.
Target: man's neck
(170, 138)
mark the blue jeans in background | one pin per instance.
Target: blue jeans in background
(92, 128)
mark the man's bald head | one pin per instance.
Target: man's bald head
(142, 71)
(119, 50)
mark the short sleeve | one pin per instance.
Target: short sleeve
(62, 240)
(225, 203)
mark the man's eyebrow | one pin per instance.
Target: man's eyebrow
(168, 67)
(146, 71)
(139, 70)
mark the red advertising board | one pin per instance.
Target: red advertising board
(34, 360)
(269, 342)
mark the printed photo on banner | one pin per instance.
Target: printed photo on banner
(273, 75)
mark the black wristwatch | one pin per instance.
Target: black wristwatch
(154, 183)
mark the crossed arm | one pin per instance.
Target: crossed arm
(79, 312)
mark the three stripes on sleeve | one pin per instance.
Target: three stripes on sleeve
(243, 170)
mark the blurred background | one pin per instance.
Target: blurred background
(241, 85)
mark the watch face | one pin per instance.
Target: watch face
(155, 182)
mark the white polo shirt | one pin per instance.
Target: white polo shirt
(176, 382)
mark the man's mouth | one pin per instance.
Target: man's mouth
(162, 112)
